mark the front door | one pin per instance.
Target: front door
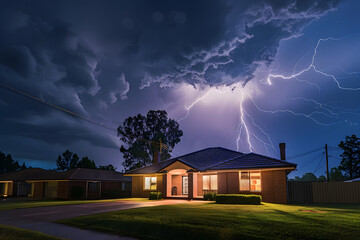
(185, 185)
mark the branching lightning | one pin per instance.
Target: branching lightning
(188, 108)
(249, 132)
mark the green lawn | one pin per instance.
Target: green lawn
(5, 205)
(14, 233)
(215, 221)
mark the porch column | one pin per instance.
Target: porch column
(164, 185)
(190, 185)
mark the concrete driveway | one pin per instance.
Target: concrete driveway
(40, 218)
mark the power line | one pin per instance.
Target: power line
(319, 163)
(21, 93)
(335, 157)
(305, 153)
(18, 92)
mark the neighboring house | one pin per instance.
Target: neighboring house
(217, 170)
(14, 183)
(354, 180)
(78, 183)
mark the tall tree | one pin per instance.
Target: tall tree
(67, 160)
(108, 167)
(309, 177)
(85, 162)
(135, 131)
(7, 164)
(336, 175)
(350, 162)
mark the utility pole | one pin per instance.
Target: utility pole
(327, 163)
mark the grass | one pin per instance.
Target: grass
(6, 205)
(217, 221)
(12, 233)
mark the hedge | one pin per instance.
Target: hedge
(238, 199)
(155, 195)
(209, 196)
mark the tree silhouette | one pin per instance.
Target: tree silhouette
(7, 164)
(350, 162)
(67, 161)
(336, 175)
(134, 132)
(108, 167)
(85, 162)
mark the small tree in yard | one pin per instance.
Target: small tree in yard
(135, 131)
(350, 162)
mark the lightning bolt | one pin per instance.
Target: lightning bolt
(251, 133)
(312, 67)
(188, 108)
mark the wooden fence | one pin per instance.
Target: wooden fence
(323, 192)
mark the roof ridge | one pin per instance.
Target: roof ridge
(149, 165)
(207, 149)
(227, 160)
(273, 158)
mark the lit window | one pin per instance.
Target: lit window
(244, 181)
(250, 181)
(150, 183)
(255, 181)
(210, 182)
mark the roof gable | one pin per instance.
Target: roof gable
(252, 160)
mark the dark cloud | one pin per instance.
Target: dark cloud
(87, 56)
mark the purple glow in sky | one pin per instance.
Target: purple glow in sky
(244, 75)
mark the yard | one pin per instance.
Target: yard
(12, 233)
(214, 221)
(6, 204)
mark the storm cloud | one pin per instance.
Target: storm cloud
(88, 56)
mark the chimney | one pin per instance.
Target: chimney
(282, 151)
(157, 156)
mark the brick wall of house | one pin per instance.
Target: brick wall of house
(63, 190)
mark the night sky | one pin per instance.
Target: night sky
(244, 75)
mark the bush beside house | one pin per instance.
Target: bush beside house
(155, 196)
(209, 196)
(238, 199)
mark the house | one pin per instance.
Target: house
(14, 183)
(218, 170)
(78, 183)
(354, 180)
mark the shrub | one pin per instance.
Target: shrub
(77, 192)
(209, 196)
(155, 195)
(238, 199)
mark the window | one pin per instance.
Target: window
(244, 181)
(126, 186)
(255, 179)
(250, 181)
(210, 182)
(150, 183)
(93, 186)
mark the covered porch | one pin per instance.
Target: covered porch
(183, 184)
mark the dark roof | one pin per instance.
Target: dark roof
(73, 174)
(85, 174)
(23, 175)
(252, 160)
(217, 158)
